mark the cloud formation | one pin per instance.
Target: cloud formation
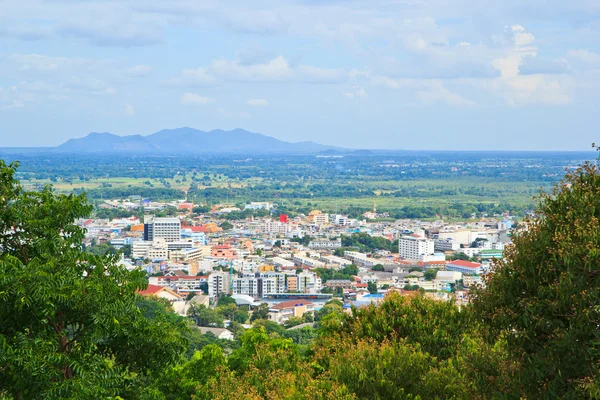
(254, 102)
(194, 99)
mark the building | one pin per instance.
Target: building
(223, 251)
(309, 282)
(325, 244)
(341, 220)
(153, 250)
(446, 245)
(164, 228)
(465, 267)
(339, 283)
(259, 205)
(415, 247)
(161, 292)
(246, 285)
(220, 333)
(335, 260)
(276, 227)
(181, 283)
(218, 283)
(361, 259)
(321, 219)
(307, 261)
(294, 308)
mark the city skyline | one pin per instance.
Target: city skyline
(355, 74)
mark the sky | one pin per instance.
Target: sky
(382, 74)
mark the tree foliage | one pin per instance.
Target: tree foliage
(544, 294)
(70, 326)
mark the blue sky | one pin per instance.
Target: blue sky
(388, 74)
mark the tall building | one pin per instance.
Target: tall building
(415, 248)
(164, 228)
(218, 283)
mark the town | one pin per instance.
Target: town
(296, 265)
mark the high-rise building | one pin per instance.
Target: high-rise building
(218, 283)
(164, 228)
(415, 248)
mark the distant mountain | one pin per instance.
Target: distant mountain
(188, 140)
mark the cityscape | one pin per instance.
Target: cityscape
(296, 199)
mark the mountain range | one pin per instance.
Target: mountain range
(188, 140)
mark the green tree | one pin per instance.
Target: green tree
(69, 322)
(430, 274)
(544, 294)
(372, 287)
(260, 312)
(226, 226)
(293, 321)
(204, 316)
(377, 267)
(225, 300)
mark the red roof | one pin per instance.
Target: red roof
(467, 264)
(292, 303)
(361, 285)
(152, 289)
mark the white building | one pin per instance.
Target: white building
(246, 285)
(415, 248)
(218, 283)
(446, 245)
(341, 220)
(276, 227)
(259, 205)
(325, 244)
(307, 261)
(361, 259)
(165, 228)
(309, 282)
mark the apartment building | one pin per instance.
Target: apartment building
(309, 282)
(276, 227)
(165, 228)
(218, 283)
(415, 247)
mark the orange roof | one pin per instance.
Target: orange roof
(137, 228)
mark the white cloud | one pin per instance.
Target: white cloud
(277, 69)
(517, 88)
(139, 70)
(129, 110)
(355, 92)
(438, 93)
(254, 102)
(194, 99)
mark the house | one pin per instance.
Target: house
(220, 333)
(162, 292)
(466, 267)
(294, 308)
